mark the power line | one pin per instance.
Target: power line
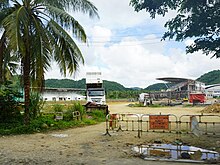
(134, 44)
(123, 36)
(134, 40)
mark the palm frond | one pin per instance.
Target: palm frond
(4, 4)
(83, 6)
(67, 54)
(67, 21)
(41, 52)
(4, 13)
(13, 24)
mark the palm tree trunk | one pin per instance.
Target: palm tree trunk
(1, 65)
(2, 46)
(26, 75)
(26, 79)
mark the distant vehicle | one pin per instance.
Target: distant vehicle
(145, 99)
(95, 92)
(143, 96)
(185, 99)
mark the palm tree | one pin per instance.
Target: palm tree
(2, 49)
(37, 31)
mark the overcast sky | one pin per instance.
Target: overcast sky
(126, 47)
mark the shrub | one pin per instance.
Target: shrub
(98, 115)
(58, 108)
(9, 105)
(36, 104)
(77, 106)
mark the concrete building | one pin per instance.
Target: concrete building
(212, 91)
(182, 87)
(62, 94)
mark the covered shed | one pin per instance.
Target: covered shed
(182, 87)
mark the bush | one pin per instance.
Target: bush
(9, 106)
(36, 105)
(98, 115)
(47, 122)
(77, 106)
(58, 108)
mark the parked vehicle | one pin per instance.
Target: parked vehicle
(95, 92)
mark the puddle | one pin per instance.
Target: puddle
(59, 135)
(170, 152)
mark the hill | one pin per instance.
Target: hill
(209, 78)
(212, 77)
(156, 87)
(68, 83)
(65, 83)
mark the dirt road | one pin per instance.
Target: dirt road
(86, 145)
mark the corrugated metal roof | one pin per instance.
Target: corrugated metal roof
(174, 79)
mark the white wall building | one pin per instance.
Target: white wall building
(62, 94)
(212, 91)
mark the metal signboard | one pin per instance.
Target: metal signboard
(159, 122)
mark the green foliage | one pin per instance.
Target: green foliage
(131, 94)
(158, 87)
(76, 106)
(39, 124)
(98, 115)
(194, 19)
(113, 86)
(9, 106)
(114, 89)
(35, 39)
(36, 104)
(45, 123)
(58, 108)
(209, 78)
(67, 83)
(89, 121)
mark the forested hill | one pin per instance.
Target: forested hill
(156, 87)
(209, 78)
(68, 83)
(212, 77)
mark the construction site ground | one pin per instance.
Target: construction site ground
(89, 145)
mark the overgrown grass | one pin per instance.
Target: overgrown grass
(47, 123)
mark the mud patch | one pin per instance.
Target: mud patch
(180, 153)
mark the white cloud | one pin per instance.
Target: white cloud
(134, 60)
(101, 34)
(189, 42)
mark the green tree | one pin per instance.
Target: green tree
(37, 31)
(9, 105)
(212, 77)
(197, 19)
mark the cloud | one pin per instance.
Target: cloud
(126, 47)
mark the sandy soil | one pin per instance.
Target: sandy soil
(89, 145)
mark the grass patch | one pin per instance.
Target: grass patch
(47, 123)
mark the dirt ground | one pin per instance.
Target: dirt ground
(89, 145)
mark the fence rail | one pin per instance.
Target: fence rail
(170, 123)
